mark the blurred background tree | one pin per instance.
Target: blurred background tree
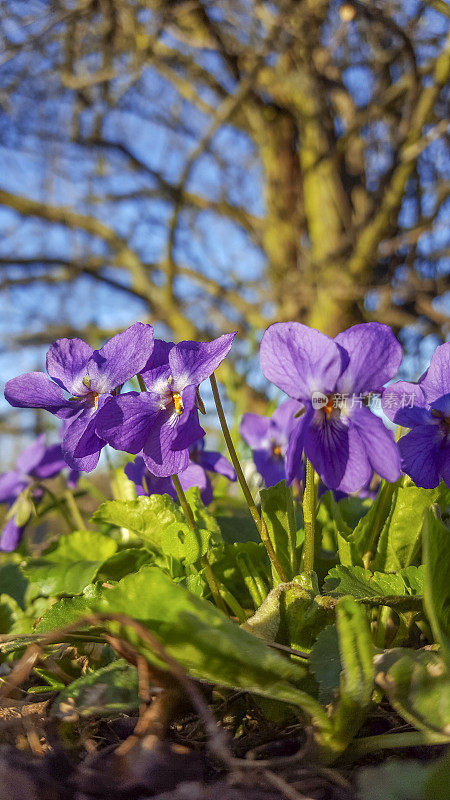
(215, 165)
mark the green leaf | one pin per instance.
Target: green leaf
(290, 613)
(70, 564)
(414, 578)
(204, 519)
(278, 508)
(181, 542)
(356, 649)
(362, 583)
(355, 545)
(437, 782)
(340, 519)
(436, 547)
(397, 779)
(69, 609)
(49, 677)
(123, 487)
(378, 588)
(13, 583)
(357, 676)
(107, 692)
(75, 546)
(19, 642)
(266, 620)
(45, 688)
(325, 663)
(303, 617)
(244, 569)
(23, 507)
(444, 501)
(403, 779)
(147, 516)
(417, 686)
(207, 644)
(399, 542)
(238, 528)
(123, 562)
(12, 617)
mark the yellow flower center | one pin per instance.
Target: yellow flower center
(328, 408)
(178, 402)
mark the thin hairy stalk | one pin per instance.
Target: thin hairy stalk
(257, 518)
(232, 603)
(188, 513)
(74, 510)
(209, 574)
(309, 516)
(387, 741)
(59, 505)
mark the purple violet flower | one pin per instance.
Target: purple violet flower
(35, 462)
(341, 437)
(145, 482)
(195, 474)
(425, 408)
(268, 439)
(90, 376)
(162, 422)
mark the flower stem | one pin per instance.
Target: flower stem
(59, 505)
(386, 741)
(212, 583)
(257, 518)
(232, 603)
(74, 510)
(209, 574)
(309, 516)
(383, 501)
(292, 530)
(184, 502)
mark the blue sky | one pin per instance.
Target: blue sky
(37, 159)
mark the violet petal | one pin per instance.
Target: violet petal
(51, 463)
(300, 360)
(36, 390)
(124, 421)
(296, 445)
(216, 462)
(158, 358)
(122, 357)
(444, 461)
(381, 448)
(420, 452)
(32, 455)
(338, 455)
(158, 455)
(11, 484)
(436, 381)
(375, 356)
(11, 536)
(404, 403)
(271, 469)
(194, 475)
(254, 429)
(283, 418)
(81, 445)
(193, 362)
(66, 364)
